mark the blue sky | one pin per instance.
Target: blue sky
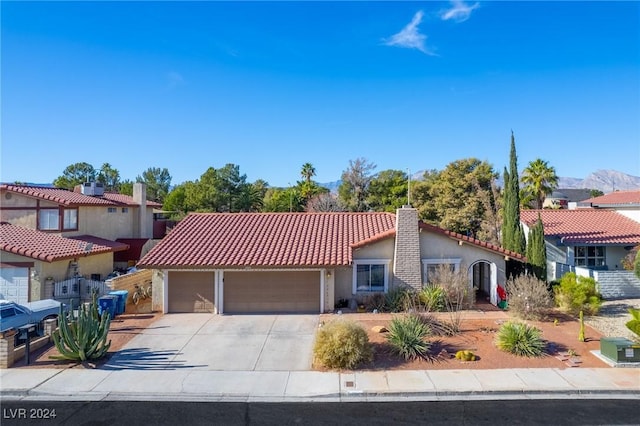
(272, 85)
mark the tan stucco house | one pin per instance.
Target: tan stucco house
(305, 262)
(48, 235)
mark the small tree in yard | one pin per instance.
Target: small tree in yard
(528, 297)
(536, 250)
(634, 324)
(576, 293)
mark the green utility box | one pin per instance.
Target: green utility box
(620, 349)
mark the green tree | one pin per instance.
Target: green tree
(536, 250)
(75, 174)
(595, 193)
(158, 182)
(539, 180)
(232, 184)
(126, 187)
(353, 191)
(283, 200)
(388, 191)
(450, 198)
(307, 172)
(109, 177)
(512, 233)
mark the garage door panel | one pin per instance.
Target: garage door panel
(14, 284)
(265, 291)
(191, 291)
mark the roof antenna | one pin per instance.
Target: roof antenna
(408, 187)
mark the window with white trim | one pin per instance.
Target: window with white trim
(70, 220)
(112, 210)
(370, 276)
(589, 256)
(48, 219)
(430, 267)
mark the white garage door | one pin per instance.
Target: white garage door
(14, 284)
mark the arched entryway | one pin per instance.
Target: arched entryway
(484, 279)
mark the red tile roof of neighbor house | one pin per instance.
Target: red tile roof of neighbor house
(586, 226)
(275, 239)
(51, 247)
(618, 198)
(71, 198)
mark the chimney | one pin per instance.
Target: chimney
(407, 269)
(140, 198)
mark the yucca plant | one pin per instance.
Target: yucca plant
(407, 336)
(520, 339)
(433, 297)
(342, 344)
(82, 337)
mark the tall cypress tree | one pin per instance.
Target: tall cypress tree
(536, 250)
(512, 233)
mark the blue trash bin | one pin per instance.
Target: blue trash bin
(122, 300)
(108, 303)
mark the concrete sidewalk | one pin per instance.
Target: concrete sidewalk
(420, 385)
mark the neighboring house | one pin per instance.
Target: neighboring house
(50, 235)
(306, 262)
(624, 202)
(590, 242)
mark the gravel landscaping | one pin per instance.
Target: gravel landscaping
(612, 318)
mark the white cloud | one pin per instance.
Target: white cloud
(175, 79)
(459, 11)
(410, 36)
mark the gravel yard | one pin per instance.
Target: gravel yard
(612, 318)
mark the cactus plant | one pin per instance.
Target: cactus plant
(83, 336)
(465, 355)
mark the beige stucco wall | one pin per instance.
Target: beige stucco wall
(92, 220)
(434, 246)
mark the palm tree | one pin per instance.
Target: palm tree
(539, 180)
(307, 172)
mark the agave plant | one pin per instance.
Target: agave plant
(82, 336)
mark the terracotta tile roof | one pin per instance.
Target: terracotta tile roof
(265, 239)
(51, 247)
(473, 241)
(586, 226)
(618, 198)
(70, 198)
(277, 239)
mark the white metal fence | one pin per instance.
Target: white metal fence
(79, 288)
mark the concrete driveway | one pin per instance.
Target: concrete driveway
(221, 342)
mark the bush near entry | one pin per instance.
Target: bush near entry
(577, 293)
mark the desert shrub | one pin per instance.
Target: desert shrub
(458, 294)
(577, 293)
(377, 302)
(400, 299)
(407, 335)
(520, 339)
(634, 324)
(433, 298)
(342, 344)
(528, 297)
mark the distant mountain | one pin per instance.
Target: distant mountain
(604, 180)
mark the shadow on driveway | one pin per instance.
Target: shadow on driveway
(145, 359)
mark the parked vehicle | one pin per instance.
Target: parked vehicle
(14, 315)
